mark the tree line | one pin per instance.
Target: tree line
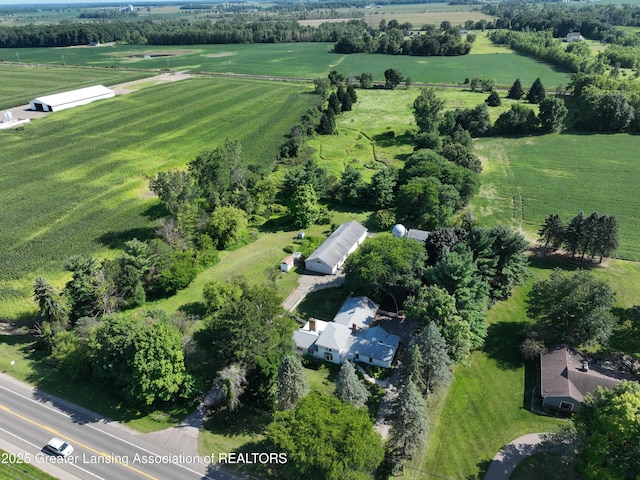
(393, 38)
(593, 235)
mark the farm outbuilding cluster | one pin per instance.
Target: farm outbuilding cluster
(70, 99)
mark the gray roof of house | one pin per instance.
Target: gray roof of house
(561, 375)
(336, 247)
(376, 343)
(420, 235)
(357, 310)
(304, 339)
(335, 337)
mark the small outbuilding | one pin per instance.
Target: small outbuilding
(333, 252)
(287, 263)
(70, 99)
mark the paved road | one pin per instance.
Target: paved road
(509, 456)
(103, 449)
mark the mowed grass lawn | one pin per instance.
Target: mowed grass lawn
(75, 182)
(19, 85)
(525, 179)
(306, 60)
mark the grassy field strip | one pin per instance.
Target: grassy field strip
(564, 174)
(309, 60)
(75, 180)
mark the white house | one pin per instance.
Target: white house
(349, 336)
(574, 37)
(72, 98)
(332, 253)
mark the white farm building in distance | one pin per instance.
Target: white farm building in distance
(72, 98)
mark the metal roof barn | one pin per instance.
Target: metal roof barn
(70, 99)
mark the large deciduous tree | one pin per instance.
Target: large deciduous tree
(435, 304)
(552, 114)
(383, 262)
(609, 425)
(427, 110)
(143, 358)
(226, 225)
(326, 439)
(175, 189)
(392, 78)
(572, 308)
(220, 174)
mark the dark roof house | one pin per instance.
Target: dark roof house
(564, 380)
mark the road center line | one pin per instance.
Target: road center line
(55, 432)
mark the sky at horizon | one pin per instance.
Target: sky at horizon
(36, 3)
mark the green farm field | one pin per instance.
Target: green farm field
(302, 60)
(20, 84)
(525, 179)
(75, 182)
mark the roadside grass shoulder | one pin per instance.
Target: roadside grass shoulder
(14, 468)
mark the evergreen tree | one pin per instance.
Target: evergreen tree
(334, 103)
(551, 232)
(607, 236)
(349, 388)
(409, 423)
(516, 91)
(574, 233)
(292, 382)
(346, 104)
(536, 92)
(493, 100)
(81, 290)
(327, 122)
(590, 232)
(427, 110)
(50, 306)
(414, 369)
(436, 374)
(351, 91)
(457, 273)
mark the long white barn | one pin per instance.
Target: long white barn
(330, 256)
(72, 98)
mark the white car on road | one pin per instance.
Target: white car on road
(59, 447)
